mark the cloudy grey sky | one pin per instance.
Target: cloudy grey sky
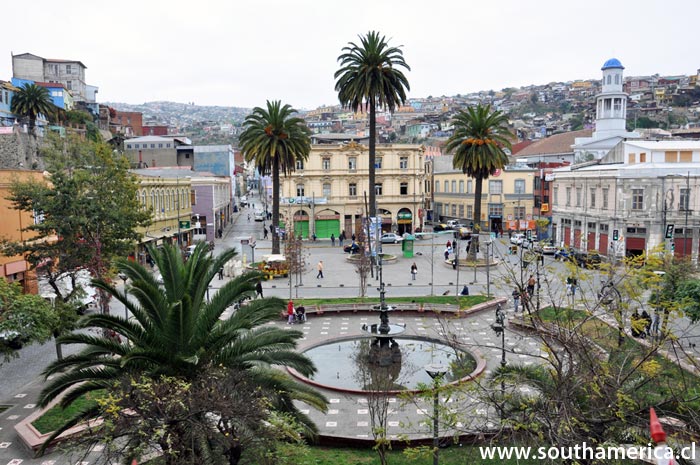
(240, 53)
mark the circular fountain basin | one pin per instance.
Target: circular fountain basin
(342, 365)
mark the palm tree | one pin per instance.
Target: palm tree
(480, 135)
(175, 332)
(274, 141)
(31, 101)
(369, 77)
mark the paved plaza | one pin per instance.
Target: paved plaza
(348, 415)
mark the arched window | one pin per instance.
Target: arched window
(617, 79)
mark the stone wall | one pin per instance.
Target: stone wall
(20, 151)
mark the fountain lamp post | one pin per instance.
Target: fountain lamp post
(436, 371)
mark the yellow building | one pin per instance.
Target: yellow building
(506, 199)
(16, 269)
(167, 194)
(326, 195)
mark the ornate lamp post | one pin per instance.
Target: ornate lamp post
(123, 277)
(499, 327)
(437, 372)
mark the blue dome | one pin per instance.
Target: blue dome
(612, 63)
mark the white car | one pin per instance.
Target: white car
(517, 238)
(259, 216)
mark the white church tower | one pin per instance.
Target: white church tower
(611, 108)
(611, 116)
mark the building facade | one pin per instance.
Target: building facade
(625, 203)
(70, 73)
(167, 194)
(157, 151)
(16, 269)
(326, 195)
(506, 198)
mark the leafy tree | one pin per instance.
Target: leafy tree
(689, 294)
(369, 77)
(176, 333)
(274, 140)
(30, 101)
(85, 215)
(24, 318)
(479, 137)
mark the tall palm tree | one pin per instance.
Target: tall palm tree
(30, 101)
(274, 141)
(176, 332)
(480, 135)
(369, 77)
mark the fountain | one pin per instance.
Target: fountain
(384, 356)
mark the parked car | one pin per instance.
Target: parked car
(259, 215)
(391, 238)
(517, 238)
(545, 247)
(441, 227)
(463, 233)
(12, 339)
(587, 259)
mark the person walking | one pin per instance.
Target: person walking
(516, 299)
(353, 237)
(319, 267)
(414, 271)
(332, 240)
(531, 285)
(447, 253)
(259, 290)
(290, 312)
(264, 232)
(341, 238)
(221, 273)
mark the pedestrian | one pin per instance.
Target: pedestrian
(332, 240)
(353, 237)
(290, 312)
(465, 290)
(447, 254)
(319, 267)
(264, 232)
(571, 286)
(448, 245)
(221, 233)
(341, 238)
(259, 290)
(248, 217)
(531, 285)
(414, 271)
(647, 322)
(516, 299)
(221, 273)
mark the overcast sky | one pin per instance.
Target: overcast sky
(241, 53)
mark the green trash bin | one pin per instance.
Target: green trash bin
(407, 246)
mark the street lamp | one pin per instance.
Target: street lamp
(488, 269)
(499, 327)
(123, 277)
(252, 251)
(436, 372)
